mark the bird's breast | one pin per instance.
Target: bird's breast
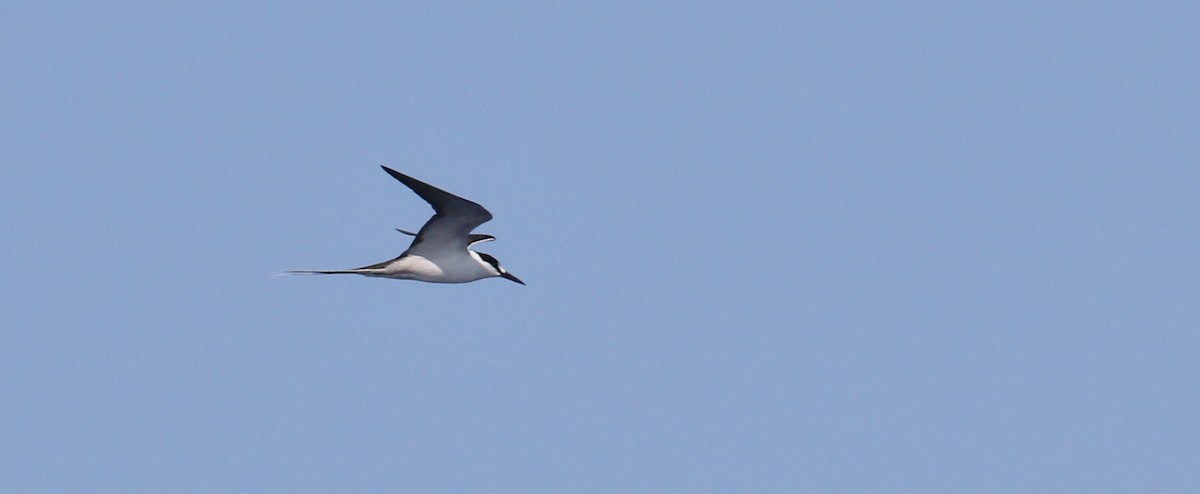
(447, 269)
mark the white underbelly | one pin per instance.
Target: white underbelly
(456, 269)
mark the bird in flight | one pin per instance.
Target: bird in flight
(441, 250)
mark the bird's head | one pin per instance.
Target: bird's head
(499, 271)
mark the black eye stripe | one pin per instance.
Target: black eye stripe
(490, 260)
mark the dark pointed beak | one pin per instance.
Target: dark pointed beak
(509, 276)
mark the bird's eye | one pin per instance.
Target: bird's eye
(491, 260)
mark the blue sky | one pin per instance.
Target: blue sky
(772, 247)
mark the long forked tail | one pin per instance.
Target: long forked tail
(328, 271)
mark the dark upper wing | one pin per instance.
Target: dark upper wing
(472, 239)
(454, 219)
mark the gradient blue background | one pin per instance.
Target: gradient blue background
(770, 247)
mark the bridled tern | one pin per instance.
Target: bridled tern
(441, 250)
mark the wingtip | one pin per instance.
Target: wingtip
(395, 174)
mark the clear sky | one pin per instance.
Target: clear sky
(769, 247)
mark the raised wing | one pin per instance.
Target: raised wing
(472, 239)
(451, 226)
